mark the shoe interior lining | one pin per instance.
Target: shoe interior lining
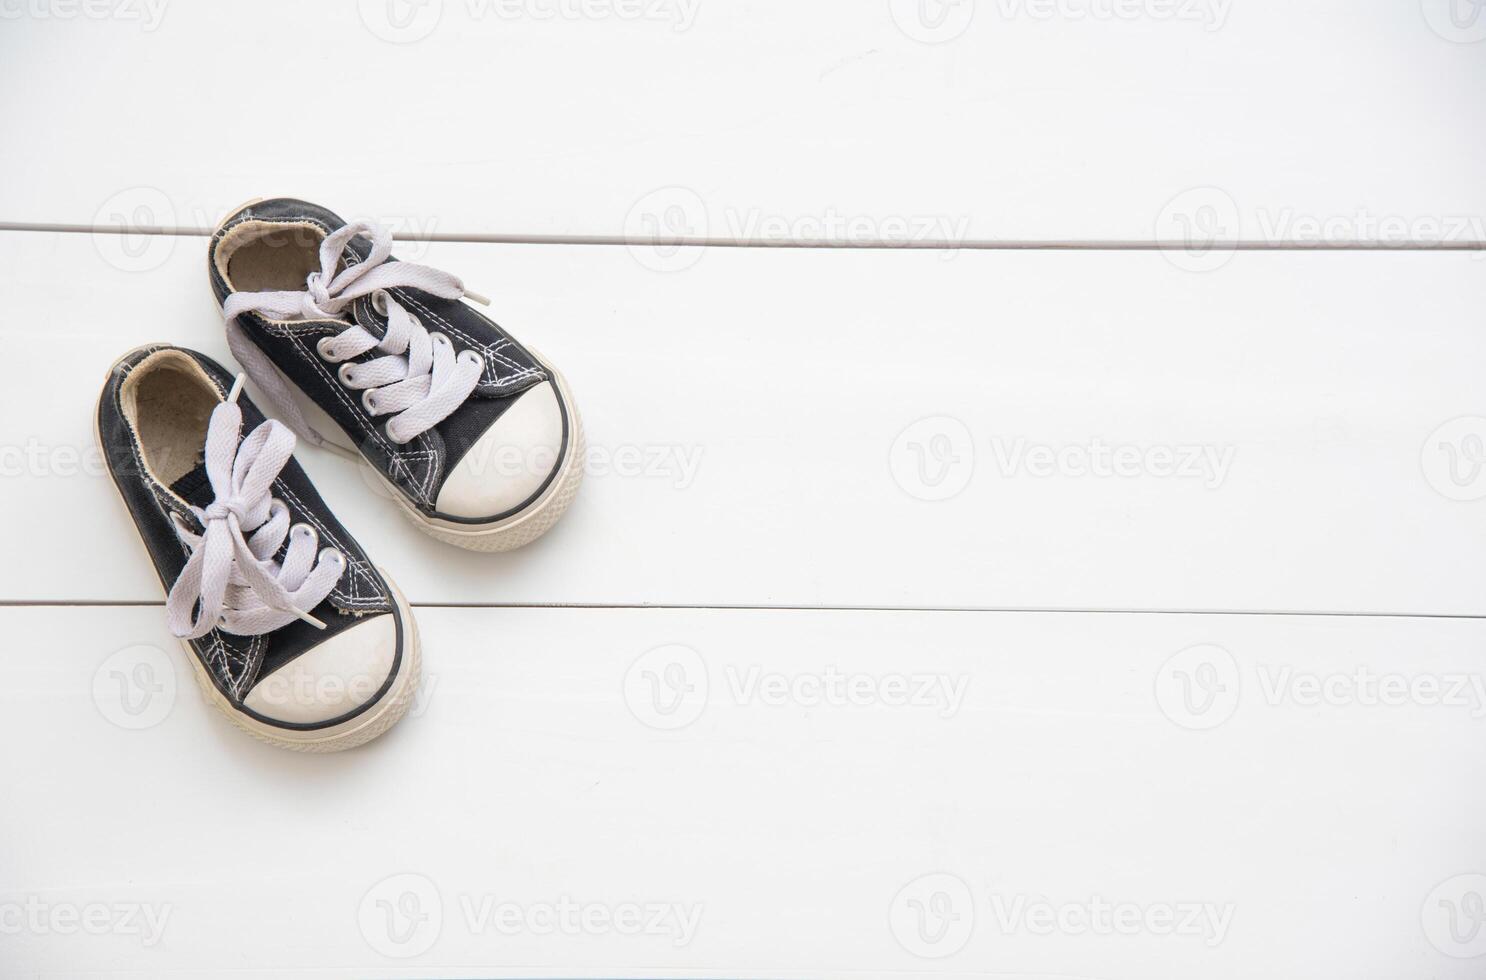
(169, 399)
(258, 256)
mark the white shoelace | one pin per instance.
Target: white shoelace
(419, 381)
(232, 582)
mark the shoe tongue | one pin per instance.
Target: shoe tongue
(194, 488)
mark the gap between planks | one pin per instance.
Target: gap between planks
(725, 607)
(926, 245)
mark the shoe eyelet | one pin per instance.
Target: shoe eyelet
(346, 373)
(471, 356)
(392, 436)
(379, 301)
(368, 402)
(326, 349)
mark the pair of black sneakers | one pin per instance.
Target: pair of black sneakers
(292, 630)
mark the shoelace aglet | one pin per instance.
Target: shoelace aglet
(476, 297)
(237, 389)
(308, 618)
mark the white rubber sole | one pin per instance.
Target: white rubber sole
(374, 721)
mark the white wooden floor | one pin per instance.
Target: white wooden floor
(955, 606)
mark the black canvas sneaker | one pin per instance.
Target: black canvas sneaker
(291, 630)
(382, 360)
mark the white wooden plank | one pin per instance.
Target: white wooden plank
(774, 396)
(1318, 830)
(1074, 120)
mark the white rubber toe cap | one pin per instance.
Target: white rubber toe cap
(510, 462)
(333, 679)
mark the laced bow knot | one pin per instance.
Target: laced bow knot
(420, 382)
(241, 495)
(317, 302)
(231, 582)
(222, 509)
